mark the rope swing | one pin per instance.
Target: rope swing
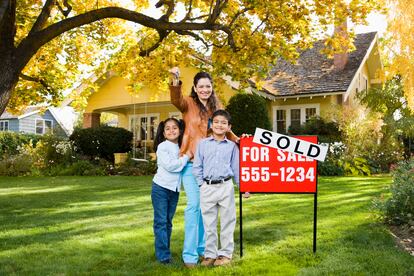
(134, 142)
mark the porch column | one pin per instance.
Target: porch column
(91, 120)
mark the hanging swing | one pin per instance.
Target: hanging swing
(134, 142)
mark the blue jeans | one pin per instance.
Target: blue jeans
(194, 241)
(164, 202)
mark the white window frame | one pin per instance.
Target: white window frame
(43, 125)
(287, 108)
(137, 118)
(179, 115)
(4, 123)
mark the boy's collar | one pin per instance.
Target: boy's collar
(211, 137)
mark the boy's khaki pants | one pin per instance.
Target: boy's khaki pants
(215, 199)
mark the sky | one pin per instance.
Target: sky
(376, 22)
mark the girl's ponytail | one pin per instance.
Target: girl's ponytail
(181, 126)
(159, 137)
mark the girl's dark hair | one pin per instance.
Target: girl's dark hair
(159, 137)
(212, 101)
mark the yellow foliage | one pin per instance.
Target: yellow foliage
(266, 31)
(399, 45)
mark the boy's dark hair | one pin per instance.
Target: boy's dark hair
(159, 137)
(222, 112)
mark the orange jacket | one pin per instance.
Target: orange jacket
(195, 124)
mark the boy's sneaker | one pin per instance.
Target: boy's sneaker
(208, 262)
(222, 260)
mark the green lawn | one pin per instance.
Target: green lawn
(103, 225)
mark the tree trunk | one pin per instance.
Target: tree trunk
(8, 80)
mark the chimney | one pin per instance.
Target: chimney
(341, 58)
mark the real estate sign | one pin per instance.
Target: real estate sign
(265, 169)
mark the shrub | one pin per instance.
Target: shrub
(10, 142)
(332, 166)
(17, 165)
(79, 167)
(399, 208)
(356, 166)
(327, 132)
(102, 141)
(248, 111)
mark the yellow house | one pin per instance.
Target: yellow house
(315, 85)
(139, 113)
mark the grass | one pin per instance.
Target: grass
(103, 226)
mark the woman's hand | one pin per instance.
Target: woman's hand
(189, 154)
(174, 76)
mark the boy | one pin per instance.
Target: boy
(216, 161)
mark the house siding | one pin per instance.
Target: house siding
(28, 124)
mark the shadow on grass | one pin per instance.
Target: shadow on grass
(104, 226)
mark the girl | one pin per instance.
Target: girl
(166, 183)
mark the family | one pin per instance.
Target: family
(206, 165)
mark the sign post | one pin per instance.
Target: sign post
(279, 164)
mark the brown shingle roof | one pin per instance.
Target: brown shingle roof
(314, 72)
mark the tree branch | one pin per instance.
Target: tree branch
(196, 37)
(261, 24)
(44, 15)
(170, 10)
(230, 37)
(190, 7)
(238, 14)
(40, 81)
(31, 44)
(198, 17)
(215, 12)
(68, 8)
(146, 52)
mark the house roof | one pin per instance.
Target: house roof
(27, 112)
(314, 73)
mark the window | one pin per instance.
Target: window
(310, 112)
(4, 125)
(293, 115)
(281, 121)
(144, 127)
(43, 126)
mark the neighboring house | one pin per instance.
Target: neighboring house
(37, 121)
(315, 85)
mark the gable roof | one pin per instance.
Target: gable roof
(30, 110)
(314, 73)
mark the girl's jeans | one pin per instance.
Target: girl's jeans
(164, 202)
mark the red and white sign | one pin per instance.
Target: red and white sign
(267, 169)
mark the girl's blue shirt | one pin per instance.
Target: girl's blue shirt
(169, 166)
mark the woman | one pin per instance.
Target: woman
(196, 109)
